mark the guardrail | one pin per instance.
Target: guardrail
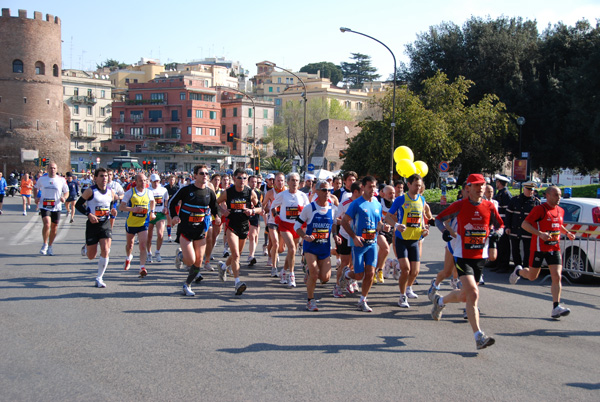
(581, 256)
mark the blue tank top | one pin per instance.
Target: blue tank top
(319, 226)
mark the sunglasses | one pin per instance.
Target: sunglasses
(241, 178)
(203, 173)
(324, 189)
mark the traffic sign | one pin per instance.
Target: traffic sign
(80, 159)
(311, 167)
(444, 175)
(444, 166)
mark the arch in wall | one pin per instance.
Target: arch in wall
(40, 68)
(17, 66)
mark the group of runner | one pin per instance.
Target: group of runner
(356, 223)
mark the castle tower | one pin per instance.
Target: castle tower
(31, 102)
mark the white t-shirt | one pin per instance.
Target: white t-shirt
(341, 211)
(161, 198)
(52, 190)
(290, 205)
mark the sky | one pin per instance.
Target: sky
(289, 34)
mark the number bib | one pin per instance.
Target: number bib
(321, 235)
(48, 203)
(368, 235)
(292, 213)
(141, 214)
(475, 239)
(101, 213)
(413, 220)
(554, 238)
(196, 217)
(238, 206)
(158, 201)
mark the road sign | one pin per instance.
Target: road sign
(444, 167)
(444, 175)
(80, 159)
(311, 167)
(524, 154)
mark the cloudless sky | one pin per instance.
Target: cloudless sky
(290, 34)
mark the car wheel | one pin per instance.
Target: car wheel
(576, 263)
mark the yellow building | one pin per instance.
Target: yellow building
(144, 71)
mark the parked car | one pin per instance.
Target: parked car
(582, 254)
(451, 182)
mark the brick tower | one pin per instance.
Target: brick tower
(31, 103)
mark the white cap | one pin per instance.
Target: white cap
(309, 176)
(270, 176)
(154, 177)
(501, 178)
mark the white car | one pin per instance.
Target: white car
(582, 216)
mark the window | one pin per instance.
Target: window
(249, 112)
(235, 112)
(278, 89)
(103, 94)
(250, 129)
(90, 127)
(89, 93)
(189, 113)
(135, 81)
(348, 104)
(235, 129)
(223, 129)
(17, 66)
(55, 70)
(137, 115)
(213, 115)
(212, 132)
(40, 69)
(359, 105)
(198, 130)
(209, 98)
(196, 97)
(278, 102)
(155, 115)
(279, 80)
(75, 109)
(270, 89)
(75, 91)
(76, 125)
(223, 112)
(199, 114)
(157, 96)
(102, 111)
(126, 80)
(182, 95)
(265, 113)
(189, 131)
(155, 130)
(137, 132)
(265, 130)
(89, 110)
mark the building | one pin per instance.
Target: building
(235, 76)
(89, 99)
(145, 70)
(32, 116)
(332, 143)
(170, 115)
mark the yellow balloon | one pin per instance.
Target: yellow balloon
(422, 168)
(406, 168)
(403, 152)
(398, 169)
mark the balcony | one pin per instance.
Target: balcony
(82, 135)
(146, 102)
(87, 100)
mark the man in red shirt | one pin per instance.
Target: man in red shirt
(545, 223)
(474, 215)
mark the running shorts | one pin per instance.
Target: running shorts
(54, 215)
(407, 249)
(96, 231)
(470, 266)
(551, 257)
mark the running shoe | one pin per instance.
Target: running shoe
(198, 278)
(44, 249)
(100, 283)
(170, 239)
(483, 341)
(403, 302)
(187, 290)
(560, 311)
(72, 219)
(222, 271)
(436, 309)
(338, 292)
(291, 281)
(178, 259)
(143, 272)
(481, 281)
(230, 270)
(28, 206)
(208, 267)
(343, 280)
(410, 294)
(363, 306)
(157, 256)
(24, 213)
(274, 273)
(225, 253)
(350, 287)
(126, 264)
(265, 252)
(355, 285)
(312, 305)
(380, 277)
(83, 251)
(251, 261)
(283, 277)
(50, 252)
(454, 283)
(397, 272)
(433, 290)
(514, 277)
(149, 258)
(239, 288)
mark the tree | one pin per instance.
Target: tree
(277, 164)
(326, 69)
(112, 64)
(359, 71)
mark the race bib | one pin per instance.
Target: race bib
(238, 205)
(368, 236)
(48, 203)
(413, 220)
(475, 239)
(292, 213)
(143, 213)
(554, 238)
(321, 235)
(197, 217)
(101, 213)
(158, 201)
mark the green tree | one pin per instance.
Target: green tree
(326, 69)
(112, 64)
(358, 71)
(277, 164)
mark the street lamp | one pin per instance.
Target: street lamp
(342, 29)
(305, 149)
(225, 89)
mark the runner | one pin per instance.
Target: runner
(97, 203)
(138, 201)
(365, 214)
(407, 214)
(118, 189)
(172, 188)
(214, 230)
(3, 186)
(349, 177)
(545, 223)
(474, 216)
(242, 203)
(198, 203)
(384, 239)
(318, 217)
(253, 234)
(26, 188)
(275, 245)
(161, 200)
(286, 208)
(52, 192)
(264, 188)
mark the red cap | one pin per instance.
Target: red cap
(475, 178)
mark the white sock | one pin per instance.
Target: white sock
(237, 280)
(478, 334)
(441, 301)
(362, 298)
(102, 264)
(130, 257)
(409, 288)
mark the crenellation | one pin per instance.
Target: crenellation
(6, 12)
(37, 15)
(22, 13)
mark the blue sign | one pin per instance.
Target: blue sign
(80, 159)
(444, 167)
(311, 167)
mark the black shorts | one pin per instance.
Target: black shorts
(1, 198)
(470, 266)
(190, 233)
(344, 248)
(54, 215)
(389, 236)
(96, 231)
(240, 230)
(407, 249)
(551, 257)
(69, 199)
(254, 220)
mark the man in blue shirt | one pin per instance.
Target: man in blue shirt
(2, 191)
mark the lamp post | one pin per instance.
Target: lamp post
(342, 29)
(305, 148)
(225, 89)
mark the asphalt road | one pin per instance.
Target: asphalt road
(140, 339)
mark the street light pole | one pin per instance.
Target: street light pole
(305, 149)
(342, 29)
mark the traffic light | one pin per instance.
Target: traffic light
(256, 169)
(144, 163)
(229, 137)
(44, 161)
(36, 161)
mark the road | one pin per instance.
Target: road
(140, 339)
